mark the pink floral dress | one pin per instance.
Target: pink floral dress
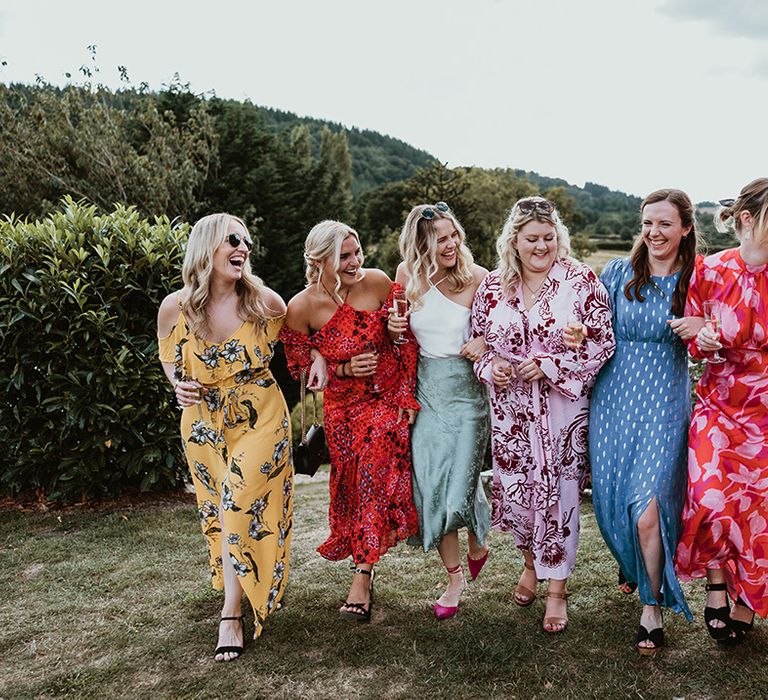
(539, 429)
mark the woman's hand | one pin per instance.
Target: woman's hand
(474, 349)
(363, 365)
(397, 325)
(574, 335)
(317, 379)
(707, 340)
(501, 371)
(410, 413)
(189, 393)
(686, 327)
(529, 371)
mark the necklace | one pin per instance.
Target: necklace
(534, 292)
(336, 296)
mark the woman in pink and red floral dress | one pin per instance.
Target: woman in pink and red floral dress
(725, 518)
(546, 320)
(368, 403)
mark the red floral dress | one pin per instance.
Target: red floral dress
(725, 518)
(371, 505)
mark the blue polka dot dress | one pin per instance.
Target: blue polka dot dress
(638, 428)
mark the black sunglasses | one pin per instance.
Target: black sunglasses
(726, 202)
(528, 206)
(429, 212)
(234, 241)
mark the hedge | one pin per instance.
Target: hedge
(85, 410)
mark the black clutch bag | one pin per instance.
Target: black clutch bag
(312, 451)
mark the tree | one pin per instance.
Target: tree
(104, 147)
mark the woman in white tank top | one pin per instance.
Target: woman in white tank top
(450, 436)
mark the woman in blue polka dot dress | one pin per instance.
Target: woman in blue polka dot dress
(640, 409)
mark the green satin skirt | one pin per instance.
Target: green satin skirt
(448, 444)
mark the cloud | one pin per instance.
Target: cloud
(741, 18)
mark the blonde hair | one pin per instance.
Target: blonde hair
(418, 248)
(752, 198)
(324, 242)
(206, 236)
(509, 261)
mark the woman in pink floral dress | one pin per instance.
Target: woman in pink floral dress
(546, 319)
(725, 518)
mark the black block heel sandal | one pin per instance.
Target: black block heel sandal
(723, 614)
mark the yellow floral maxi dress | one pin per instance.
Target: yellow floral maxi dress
(237, 443)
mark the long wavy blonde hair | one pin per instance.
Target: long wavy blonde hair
(509, 261)
(324, 242)
(206, 236)
(752, 198)
(418, 248)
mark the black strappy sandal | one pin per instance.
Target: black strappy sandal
(655, 637)
(230, 649)
(357, 612)
(739, 628)
(723, 614)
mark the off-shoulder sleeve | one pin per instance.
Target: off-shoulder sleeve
(167, 346)
(273, 326)
(694, 305)
(408, 357)
(297, 350)
(574, 376)
(482, 304)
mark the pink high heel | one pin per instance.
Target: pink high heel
(444, 612)
(476, 565)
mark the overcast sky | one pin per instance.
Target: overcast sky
(632, 94)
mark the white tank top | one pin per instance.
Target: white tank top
(441, 326)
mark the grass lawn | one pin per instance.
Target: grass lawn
(115, 603)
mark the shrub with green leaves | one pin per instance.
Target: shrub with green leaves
(85, 410)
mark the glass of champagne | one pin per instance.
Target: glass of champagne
(370, 347)
(712, 319)
(576, 327)
(401, 308)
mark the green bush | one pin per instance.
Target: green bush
(84, 407)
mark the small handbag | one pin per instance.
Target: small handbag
(312, 451)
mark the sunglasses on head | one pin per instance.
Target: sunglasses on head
(726, 202)
(429, 212)
(234, 240)
(528, 206)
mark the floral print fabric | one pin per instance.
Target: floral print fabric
(371, 501)
(725, 518)
(539, 429)
(237, 444)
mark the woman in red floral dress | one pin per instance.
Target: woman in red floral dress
(368, 403)
(725, 518)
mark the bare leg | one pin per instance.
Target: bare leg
(449, 553)
(230, 631)
(473, 546)
(527, 579)
(649, 534)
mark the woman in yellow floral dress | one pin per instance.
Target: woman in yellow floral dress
(217, 337)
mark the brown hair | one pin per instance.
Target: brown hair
(686, 254)
(752, 198)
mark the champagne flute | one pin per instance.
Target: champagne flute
(401, 308)
(370, 347)
(576, 327)
(712, 319)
